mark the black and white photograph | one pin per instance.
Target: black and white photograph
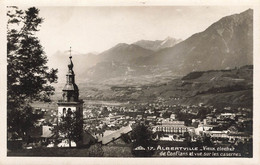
(130, 81)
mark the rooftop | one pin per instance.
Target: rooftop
(115, 135)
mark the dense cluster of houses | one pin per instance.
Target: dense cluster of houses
(105, 123)
(226, 125)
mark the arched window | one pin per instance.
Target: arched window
(69, 112)
(64, 112)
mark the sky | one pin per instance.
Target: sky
(96, 29)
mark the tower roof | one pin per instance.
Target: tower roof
(70, 65)
(70, 90)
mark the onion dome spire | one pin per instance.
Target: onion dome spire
(70, 90)
(70, 66)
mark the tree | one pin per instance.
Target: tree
(245, 148)
(166, 114)
(187, 137)
(126, 138)
(104, 111)
(70, 127)
(28, 77)
(207, 141)
(141, 135)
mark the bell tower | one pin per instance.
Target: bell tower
(70, 101)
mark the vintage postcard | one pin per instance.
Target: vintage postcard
(130, 82)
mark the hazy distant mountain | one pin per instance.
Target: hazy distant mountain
(124, 53)
(118, 61)
(81, 62)
(228, 43)
(157, 44)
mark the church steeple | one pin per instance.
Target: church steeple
(70, 101)
(70, 90)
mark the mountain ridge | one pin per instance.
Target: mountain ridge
(158, 44)
(225, 44)
(211, 48)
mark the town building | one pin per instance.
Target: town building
(172, 127)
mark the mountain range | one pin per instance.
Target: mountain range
(227, 43)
